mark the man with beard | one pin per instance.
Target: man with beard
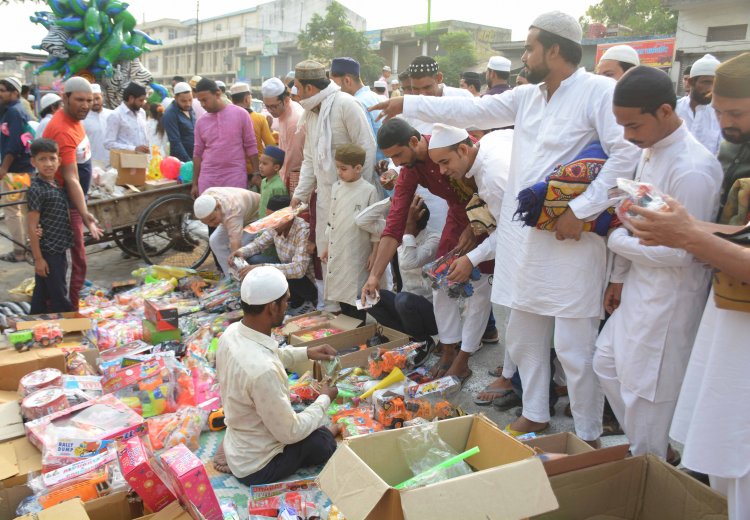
(713, 411)
(266, 440)
(126, 125)
(497, 75)
(66, 129)
(643, 349)
(96, 125)
(696, 110)
(553, 281)
(279, 104)
(179, 123)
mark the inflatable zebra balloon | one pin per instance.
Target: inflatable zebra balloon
(124, 73)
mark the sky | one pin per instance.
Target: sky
(18, 34)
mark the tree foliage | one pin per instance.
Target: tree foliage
(332, 36)
(644, 17)
(457, 54)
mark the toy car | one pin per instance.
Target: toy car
(22, 340)
(46, 334)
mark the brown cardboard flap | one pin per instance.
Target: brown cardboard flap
(172, 512)
(18, 458)
(66, 324)
(116, 506)
(580, 454)
(68, 510)
(14, 365)
(11, 423)
(484, 434)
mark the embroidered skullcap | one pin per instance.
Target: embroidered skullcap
(341, 66)
(499, 63)
(706, 66)
(203, 206)
(444, 136)
(272, 87)
(644, 87)
(561, 24)
(96, 88)
(276, 153)
(262, 285)
(309, 70)
(239, 88)
(733, 77)
(423, 65)
(351, 154)
(181, 88)
(623, 53)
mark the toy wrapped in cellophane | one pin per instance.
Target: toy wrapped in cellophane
(634, 193)
(437, 273)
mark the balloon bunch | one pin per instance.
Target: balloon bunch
(89, 36)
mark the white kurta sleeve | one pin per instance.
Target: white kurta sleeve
(620, 268)
(414, 255)
(629, 247)
(484, 251)
(307, 181)
(486, 112)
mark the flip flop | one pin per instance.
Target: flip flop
(497, 393)
(496, 372)
(516, 433)
(10, 257)
(465, 377)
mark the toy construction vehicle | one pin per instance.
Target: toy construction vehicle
(393, 410)
(46, 334)
(22, 340)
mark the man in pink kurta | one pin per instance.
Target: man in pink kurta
(292, 140)
(225, 153)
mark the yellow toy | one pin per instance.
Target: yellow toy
(154, 166)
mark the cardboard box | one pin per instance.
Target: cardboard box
(13, 321)
(131, 167)
(117, 506)
(341, 321)
(509, 481)
(163, 316)
(14, 365)
(154, 336)
(159, 183)
(580, 454)
(18, 458)
(69, 510)
(11, 422)
(76, 330)
(172, 512)
(637, 488)
(138, 468)
(189, 481)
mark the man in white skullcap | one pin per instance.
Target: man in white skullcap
(555, 279)
(617, 60)
(228, 210)
(96, 125)
(497, 75)
(696, 109)
(223, 87)
(197, 108)
(67, 130)
(279, 104)
(49, 104)
(266, 440)
(380, 88)
(386, 77)
(486, 164)
(395, 88)
(242, 97)
(179, 123)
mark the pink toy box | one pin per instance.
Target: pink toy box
(142, 475)
(189, 481)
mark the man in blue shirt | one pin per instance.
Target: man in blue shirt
(15, 136)
(179, 123)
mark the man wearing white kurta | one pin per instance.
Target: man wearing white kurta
(96, 126)
(332, 118)
(556, 285)
(643, 350)
(695, 109)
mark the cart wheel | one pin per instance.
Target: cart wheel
(169, 233)
(125, 239)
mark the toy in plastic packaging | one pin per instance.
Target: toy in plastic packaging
(224, 320)
(318, 333)
(383, 361)
(82, 388)
(71, 446)
(275, 219)
(442, 388)
(39, 379)
(126, 350)
(305, 390)
(163, 272)
(634, 193)
(116, 332)
(76, 365)
(224, 296)
(47, 334)
(147, 387)
(356, 421)
(44, 402)
(437, 273)
(181, 427)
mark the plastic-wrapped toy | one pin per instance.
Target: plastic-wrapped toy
(641, 194)
(437, 273)
(114, 333)
(384, 361)
(46, 334)
(182, 427)
(275, 219)
(441, 388)
(44, 402)
(356, 421)
(39, 379)
(22, 340)
(319, 333)
(393, 410)
(76, 365)
(304, 390)
(142, 473)
(224, 296)
(148, 387)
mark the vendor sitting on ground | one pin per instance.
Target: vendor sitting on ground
(294, 261)
(266, 440)
(228, 210)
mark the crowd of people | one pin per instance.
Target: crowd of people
(387, 179)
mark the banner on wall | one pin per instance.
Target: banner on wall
(654, 53)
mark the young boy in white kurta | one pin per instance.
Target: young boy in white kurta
(350, 248)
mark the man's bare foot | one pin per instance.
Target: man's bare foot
(498, 388)
(522, 424)
(220, 460)
(450, 351)
(460, 366)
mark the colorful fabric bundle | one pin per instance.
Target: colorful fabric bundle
(541, 204)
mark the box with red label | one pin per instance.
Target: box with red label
(188, 480)
(162, 315)
(103, 418)
(141, 472)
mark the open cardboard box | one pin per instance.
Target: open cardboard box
(14, 365)
(509, 482)
(637, 488)
(131, 167)
(68, 510)
(75, 330)
(345, 323)
(580, 454)
(11, 422)
(18, 458)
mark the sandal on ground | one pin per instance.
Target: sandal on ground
(464, 377)
(495, 392)
(10, 257)
(507, 402)
(496, 372)
(516, 433)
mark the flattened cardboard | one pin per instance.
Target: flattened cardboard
(637, 488)
(130, 165)
(69, 510)
(358, 478)
(14, 365)
(580, 454)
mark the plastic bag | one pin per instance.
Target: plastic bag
(182, 427)
(641, 194)
(437, 273)
(384, 361)
(77, 365)
(423, 449)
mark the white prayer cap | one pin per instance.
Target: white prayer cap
(194, 81)
(291, 74)
(293, 91)
(272, 87)
(221, 84)
(48, 100)
(239, 88)
(203, 206)
(499, 63)
(394, 81)
(380, 84)
(78, 84)
(706, 66)
(386, 68)
(181, 88)
(32, 97)
(263, 285)
(444, 136)
(96, 88)
(624, 53)
(13, 82)
(166, 102)
(561, 24)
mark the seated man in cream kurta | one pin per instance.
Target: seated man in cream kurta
(266, 441)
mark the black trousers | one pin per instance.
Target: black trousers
(51, 292)
(314, 450)
(302, 290)
(406, 312)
